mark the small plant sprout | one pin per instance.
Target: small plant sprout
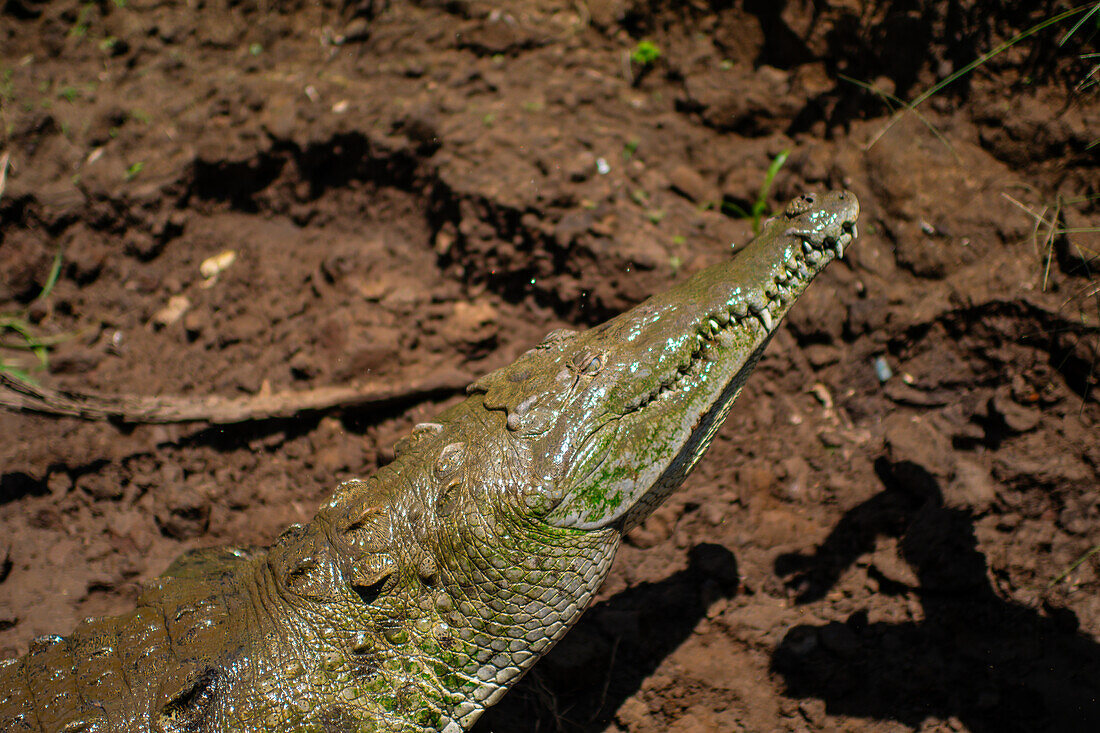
(645, 54)
(675, 263)
(25, 337)
(638, 61)
(133, 171)
(80, 27)
(759, 208)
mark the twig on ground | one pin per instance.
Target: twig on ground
(16, 394)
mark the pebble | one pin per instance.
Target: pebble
(175, 308)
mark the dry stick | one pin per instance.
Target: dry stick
(24, 396)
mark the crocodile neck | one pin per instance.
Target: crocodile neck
(442, 622)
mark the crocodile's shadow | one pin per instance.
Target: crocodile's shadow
(993, 665)
(603, 660)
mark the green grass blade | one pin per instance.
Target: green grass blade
(738, 212)
(997, 51)
(773, 171)
(1073, 567)
(20, 374)
(1077, 26)
(934, 89)
(51, 279)
(760, 206)
(889, 99)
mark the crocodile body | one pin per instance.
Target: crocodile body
(416, 597)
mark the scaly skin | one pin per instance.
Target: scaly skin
(415, 598)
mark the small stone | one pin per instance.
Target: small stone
(211, 267)
(821, 355)
(99, 486)
(172, 312)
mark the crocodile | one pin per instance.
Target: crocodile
(415, 598)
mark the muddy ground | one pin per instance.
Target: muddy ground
(886, 536)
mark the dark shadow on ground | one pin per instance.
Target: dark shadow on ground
(995, 665)
(580, 684)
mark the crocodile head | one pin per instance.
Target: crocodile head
(616, 417)
(478, 547)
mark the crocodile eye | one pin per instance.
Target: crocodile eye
(450, 461)
(368, 532)
(588, 364)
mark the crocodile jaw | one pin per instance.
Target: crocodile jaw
(673, 366)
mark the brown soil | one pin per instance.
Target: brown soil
(413, 187)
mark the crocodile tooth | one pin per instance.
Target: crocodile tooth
(807, 248)
(713, 326)
(766, 317)
(839, 249)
